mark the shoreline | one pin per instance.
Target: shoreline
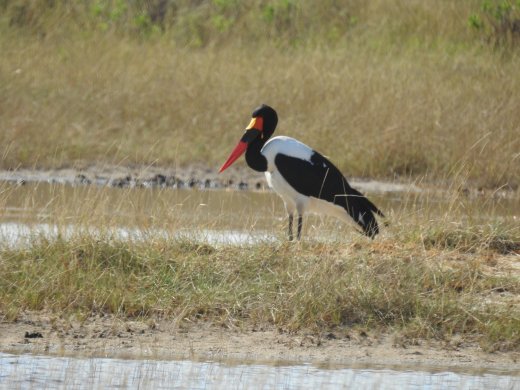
(111, 337)
(191, 177)
(198, 176)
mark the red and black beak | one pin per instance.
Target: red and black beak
(253, 130)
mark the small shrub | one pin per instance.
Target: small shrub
(499, 20)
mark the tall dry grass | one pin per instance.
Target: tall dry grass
(404, 90)
(417, 292)
(443, 267)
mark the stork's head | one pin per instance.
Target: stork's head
(263, 123)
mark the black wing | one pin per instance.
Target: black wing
(319, 178)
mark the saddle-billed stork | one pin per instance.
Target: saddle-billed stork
(304, 179)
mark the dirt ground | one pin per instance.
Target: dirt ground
(108, 336)
(193, 176)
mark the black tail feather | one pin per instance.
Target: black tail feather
(362, 211)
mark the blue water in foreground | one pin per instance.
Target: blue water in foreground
(36, 372)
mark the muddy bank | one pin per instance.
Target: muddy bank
(173, 339)
(193, 176)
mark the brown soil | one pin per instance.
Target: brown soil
(167, 339)
(192, 176)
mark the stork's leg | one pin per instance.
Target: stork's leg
(291, 209)
(290, 227)
(299, 226)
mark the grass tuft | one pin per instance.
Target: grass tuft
(472, 240)
(423, 292)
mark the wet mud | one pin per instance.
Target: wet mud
(193, 176)
(106, 335)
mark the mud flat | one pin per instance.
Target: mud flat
(109, 336)
(193, 176)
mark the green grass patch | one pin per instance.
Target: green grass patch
(420, 292)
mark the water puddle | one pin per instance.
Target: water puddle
(28, 371)
(13, 234)
(215, 217)
(212, 216)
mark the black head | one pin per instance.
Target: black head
(262, 126)
(269, 119)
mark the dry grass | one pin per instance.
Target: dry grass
(437, 271)
(423, 293)
(404, 90)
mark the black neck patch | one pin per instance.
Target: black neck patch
(254, 158)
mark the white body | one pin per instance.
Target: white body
(294, 201)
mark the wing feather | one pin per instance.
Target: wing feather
(319, 178)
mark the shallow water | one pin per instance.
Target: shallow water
(29, 372)
(214, 216)
(134, 207)
(14, 234)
